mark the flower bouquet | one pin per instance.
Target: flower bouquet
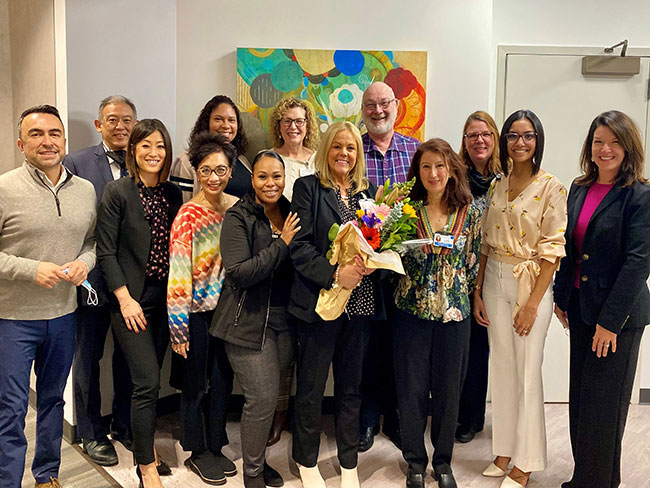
(381, 226)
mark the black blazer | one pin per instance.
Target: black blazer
(318, 209)
(123, 235)
(615, 260)
(250, 256)
(92, 164)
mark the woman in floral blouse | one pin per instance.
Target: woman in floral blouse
(523, 242)
(432, 324)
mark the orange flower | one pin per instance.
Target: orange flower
(371, 235)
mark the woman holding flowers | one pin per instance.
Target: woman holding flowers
(332, 195)
(431, 325)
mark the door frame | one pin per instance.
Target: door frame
(638, 394)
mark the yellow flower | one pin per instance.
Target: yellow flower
(408, 210)
(360, 213)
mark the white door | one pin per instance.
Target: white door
(566, 102)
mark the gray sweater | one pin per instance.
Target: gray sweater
(38, 223)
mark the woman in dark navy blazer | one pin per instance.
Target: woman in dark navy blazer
(601, 293)
(133, 226)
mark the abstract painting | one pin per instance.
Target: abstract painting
(333, 81)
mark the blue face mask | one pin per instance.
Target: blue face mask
(92, 294)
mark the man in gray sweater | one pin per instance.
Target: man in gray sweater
(47, 220)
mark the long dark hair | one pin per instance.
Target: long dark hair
(457, 193)
(539, 145)
(629, 137)
(202, 123)
(141, 130)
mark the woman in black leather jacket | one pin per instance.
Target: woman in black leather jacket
(251, 314)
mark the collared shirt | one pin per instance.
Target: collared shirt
(114, 165)
(394, 164)
(46, 180)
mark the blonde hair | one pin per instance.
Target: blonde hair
(357, 176)
(311, 129)
(493, 165)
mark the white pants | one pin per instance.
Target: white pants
(518, 425)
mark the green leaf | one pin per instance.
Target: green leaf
(334, 229)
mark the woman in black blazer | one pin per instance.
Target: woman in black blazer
(330, 196)
(135, 217)
(601, 293)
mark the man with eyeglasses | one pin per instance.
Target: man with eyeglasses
(47, 247)
(101, 164)
(388, 155)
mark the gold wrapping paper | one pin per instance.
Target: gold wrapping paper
(348, 243)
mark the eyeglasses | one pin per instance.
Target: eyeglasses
(287, 122)
(513, 137)
(206, 171)
(384, 104)
(473, 137)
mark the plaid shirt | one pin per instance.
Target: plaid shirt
(394, 164)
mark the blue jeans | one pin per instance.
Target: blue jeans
(49, 344)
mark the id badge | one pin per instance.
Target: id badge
(443, 240)
(306, 172)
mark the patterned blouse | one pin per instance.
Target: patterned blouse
(156, 212)
(196, 272)
(527, 229)
(362, 299)
(439, 280)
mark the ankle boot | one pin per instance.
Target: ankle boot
(279, 424)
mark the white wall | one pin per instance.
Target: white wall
(456, 35)
(120, 47)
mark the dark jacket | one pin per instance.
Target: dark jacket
(123, 235)
(615, 260)
(250, 255)
(318, 209)
(92, 164)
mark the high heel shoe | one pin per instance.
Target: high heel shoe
(494, 471)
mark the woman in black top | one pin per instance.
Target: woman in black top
(480, 152)
(601, 294)
(331, 196)
(133, 226)
(251, 314)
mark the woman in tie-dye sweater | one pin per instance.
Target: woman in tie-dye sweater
(195, 278)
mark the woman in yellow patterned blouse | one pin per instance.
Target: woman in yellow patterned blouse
(523, 242)
(432, 322)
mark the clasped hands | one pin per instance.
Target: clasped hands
(350, 275)
(48, 275)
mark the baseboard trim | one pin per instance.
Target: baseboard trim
(644, 396)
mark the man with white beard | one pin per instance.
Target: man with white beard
(388, 155)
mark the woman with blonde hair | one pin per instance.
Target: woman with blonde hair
(294, 136)
(330, 196)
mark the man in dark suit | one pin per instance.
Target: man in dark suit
(101, 164)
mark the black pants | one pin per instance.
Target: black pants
(430, 358)
(471, 410)
(599, 399)
(207, 385)
(93, 324)
(342, 343)
(144, 353)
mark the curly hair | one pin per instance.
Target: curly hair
(202, 123)
(312, 135)
(206, 143)
(457, 192)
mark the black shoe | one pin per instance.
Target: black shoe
(123, 436)
(204, 466)
(566, 484)
(367, 437)
(445, 480)
(226, 465)
(101, 452)
(413, 479)
(465, 433)
(254, 481)
(272, 477)
(163, 469)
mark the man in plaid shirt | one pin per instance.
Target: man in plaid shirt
(388, 153)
